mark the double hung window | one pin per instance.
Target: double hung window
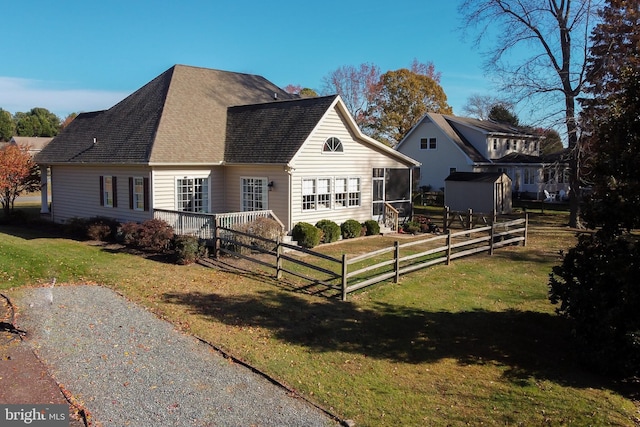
(109, 191)
(317, 193)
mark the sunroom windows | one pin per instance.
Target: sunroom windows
(330, 193)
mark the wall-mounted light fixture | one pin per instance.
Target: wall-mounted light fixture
(270, 185)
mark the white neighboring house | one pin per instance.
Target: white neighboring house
(445, 144)
(209, 141)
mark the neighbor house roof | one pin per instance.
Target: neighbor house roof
(491, 127)
(450, 126)
(273, 132)
(178, 117)
(35, 143)
(474, 176)
(444, 123)
(519, 158)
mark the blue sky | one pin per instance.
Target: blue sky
(75, 56)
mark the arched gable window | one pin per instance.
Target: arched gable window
(332, 145)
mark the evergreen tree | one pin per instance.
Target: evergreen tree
(597, 283)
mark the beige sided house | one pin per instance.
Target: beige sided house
(207, 141)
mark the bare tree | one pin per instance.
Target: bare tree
(479, 106)
(357, 86)
(555, 35)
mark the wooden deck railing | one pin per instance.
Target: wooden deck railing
(203, 226)
(391, 216)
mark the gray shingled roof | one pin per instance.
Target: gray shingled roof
(474, 176)
(489, 126)
(178, 117)
(273, 132)
(447, 127)
(519, 158)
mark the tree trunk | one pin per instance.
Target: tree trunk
(574, 163)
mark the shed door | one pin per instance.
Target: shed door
(499, 198)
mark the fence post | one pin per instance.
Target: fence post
(526, 229)
(216, 237)
(396, 254)
(445, 219)
(491, 234)
(344, 277)
(279, 258)
(448, 247)
(469, 219)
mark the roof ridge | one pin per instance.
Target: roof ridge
(283, 101)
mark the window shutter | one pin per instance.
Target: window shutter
(130, 192)
(101, 190)
(145, 189)
(114, 183)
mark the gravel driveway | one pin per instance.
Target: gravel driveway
(127, 367)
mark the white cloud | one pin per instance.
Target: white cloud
(17, 94)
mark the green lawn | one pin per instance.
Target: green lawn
(475, 342)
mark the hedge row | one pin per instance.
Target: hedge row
(327, 231)
(153, 235)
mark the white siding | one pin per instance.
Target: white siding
(356, 161)
(477, 139)
(277, 197)
(164, 186)
(436, 164)
(75, 193)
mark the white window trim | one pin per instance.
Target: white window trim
(108, 201)
(177, 202)
(317, 205)
(265, 192)
(333, 192)
(428, 145)
(333, 152)
(139, 199)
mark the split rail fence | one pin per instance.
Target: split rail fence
(350, 273)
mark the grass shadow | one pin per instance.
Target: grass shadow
(529, 344)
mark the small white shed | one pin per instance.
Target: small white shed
(480, 191)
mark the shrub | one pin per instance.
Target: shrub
(127, 233)
(330, 230)
(188, 249)
(103, 229)
(372, 227)
(152, 235)
(155, 235)
(99, 231)
(267, 228)
(351, 228)
(307, 235)
(411, 227)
